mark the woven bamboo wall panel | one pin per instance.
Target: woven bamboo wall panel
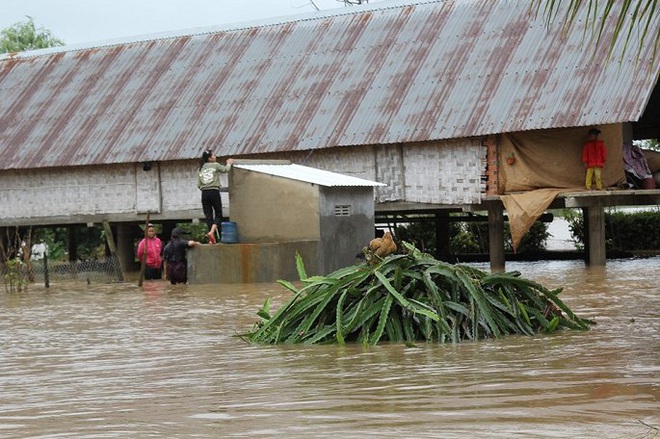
(61, 192)
(353, 161)
(444, 172)
(433, 172)
(390, 165)
(95, 190)
(178, 185)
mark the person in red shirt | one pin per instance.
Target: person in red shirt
(153, 246)
(594, 156)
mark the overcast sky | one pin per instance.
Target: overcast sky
(85, 21)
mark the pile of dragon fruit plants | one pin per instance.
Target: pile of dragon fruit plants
(411, 297)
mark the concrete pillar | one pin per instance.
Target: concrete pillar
(585, 234)
(496, 237)
(594, 223)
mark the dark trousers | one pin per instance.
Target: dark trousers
(177, 272)
(212, 204)
(152, 273)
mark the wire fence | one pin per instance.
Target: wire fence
(18, 275)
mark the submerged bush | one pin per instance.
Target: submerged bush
(472, 237)
(626, 231)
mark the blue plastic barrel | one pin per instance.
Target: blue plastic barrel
(229, 234)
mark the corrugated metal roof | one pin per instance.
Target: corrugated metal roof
(310, 175)
(389, 73)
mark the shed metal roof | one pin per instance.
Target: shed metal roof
(393, 72)
(309, 175)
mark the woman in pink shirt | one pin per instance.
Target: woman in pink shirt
(153, 247)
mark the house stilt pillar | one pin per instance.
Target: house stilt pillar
(594, 228)
(496, 237)
(124, 242)
(442, 236)
(73, 243)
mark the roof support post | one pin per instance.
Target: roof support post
(73, 243)
(496, 236)
(594, 227)
(442, 235)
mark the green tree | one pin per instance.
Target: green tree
(630, 15)
(26, 36)
(650, 144)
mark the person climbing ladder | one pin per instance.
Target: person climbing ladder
(208, 181)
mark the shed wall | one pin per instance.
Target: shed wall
(273, 209)
(343, 236)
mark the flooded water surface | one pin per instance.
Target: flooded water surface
(108, 361)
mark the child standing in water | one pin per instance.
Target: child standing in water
(594, 156)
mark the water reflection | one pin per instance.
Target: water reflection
(163, 361)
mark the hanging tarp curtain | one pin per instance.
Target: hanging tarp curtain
(553, 159)
(545, 163)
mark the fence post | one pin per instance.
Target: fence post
(113, 250)
(46, 276)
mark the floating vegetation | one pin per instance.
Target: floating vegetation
(411, 297)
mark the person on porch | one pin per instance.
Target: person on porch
(594, 156)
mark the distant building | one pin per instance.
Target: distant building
(38, 251)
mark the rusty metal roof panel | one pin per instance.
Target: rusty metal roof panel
(392, 72)
(309, 175)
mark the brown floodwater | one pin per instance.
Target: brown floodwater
(110, 361)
